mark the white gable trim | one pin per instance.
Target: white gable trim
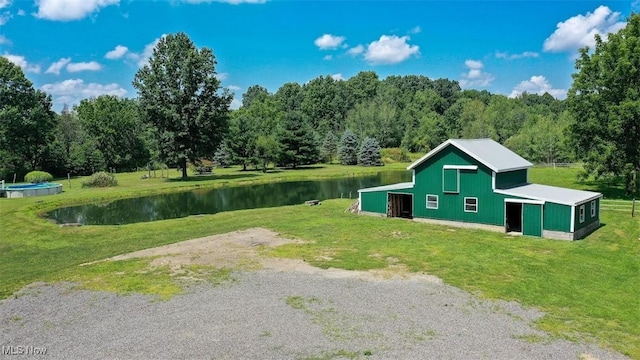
(466, 151)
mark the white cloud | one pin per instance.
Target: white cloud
(522, 55)
(21, 12)
(537, 85)
(117, 53)
(327, 57)
(579, 31)
(475, 76)
(4, 40)
(328, 41)
(222, 76)
(67, 10)
(356, 50)
(57, 66)
(415, 30)
(390, 49)
(22, 63)
(4, 3)
(142, 59)
(4, 17)
(83, 66)
(73, 90)
(235, 104)
(234, 87)
(338, 77)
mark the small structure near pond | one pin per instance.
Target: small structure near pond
(480, 183)
(27, 190)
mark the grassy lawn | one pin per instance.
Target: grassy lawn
(589, 288)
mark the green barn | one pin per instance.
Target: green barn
(480, 183)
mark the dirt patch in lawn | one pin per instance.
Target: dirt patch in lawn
(244, 249)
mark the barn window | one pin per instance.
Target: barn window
(470, 204)
(581, 213)
(432, 201)
(593, 208)
(450, 180)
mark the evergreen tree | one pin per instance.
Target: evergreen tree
(222, 157)
(329, 147)
(369, 154)
(348, 151)
(297, 140)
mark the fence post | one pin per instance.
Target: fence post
(633, 206)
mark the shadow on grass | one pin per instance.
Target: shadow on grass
(609, 190)
(198, 178)
(310, 167)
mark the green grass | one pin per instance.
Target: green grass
(589, 289)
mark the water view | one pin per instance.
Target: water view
(211, 201)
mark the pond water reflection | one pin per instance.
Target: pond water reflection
(211, 201)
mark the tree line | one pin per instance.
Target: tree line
(181, 116)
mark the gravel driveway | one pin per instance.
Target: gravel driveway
(271, 314)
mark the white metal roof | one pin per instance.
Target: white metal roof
(552, 194)
(399, 186)
(488, 152)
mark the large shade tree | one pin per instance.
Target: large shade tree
(115, 126)
(182, 98)
(605, 102)
(26, 122)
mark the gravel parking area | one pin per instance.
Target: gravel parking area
(271, 314)
(285, 310)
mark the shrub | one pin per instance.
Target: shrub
(100, 179)
(38, 177)
(369, 154)
(390, 155)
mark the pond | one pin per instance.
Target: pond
(211, 201)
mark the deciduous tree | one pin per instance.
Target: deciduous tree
(181, 96)
(26, 122)
(115, 125)
(605, 102)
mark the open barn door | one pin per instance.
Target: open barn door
(400, 205)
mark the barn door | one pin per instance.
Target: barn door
(532, 219)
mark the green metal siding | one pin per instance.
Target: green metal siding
(374, 201)
(587, 214)
(511, 178)
(450, 180)
(473, 183)
(557, 217)
(532, 219)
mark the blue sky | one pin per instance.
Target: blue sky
(75, 49)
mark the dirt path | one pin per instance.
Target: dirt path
(243, 248)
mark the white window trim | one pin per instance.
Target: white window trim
(437, 202)
(465, 204)
(458, 182)
(593, 208)
(582, 213)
